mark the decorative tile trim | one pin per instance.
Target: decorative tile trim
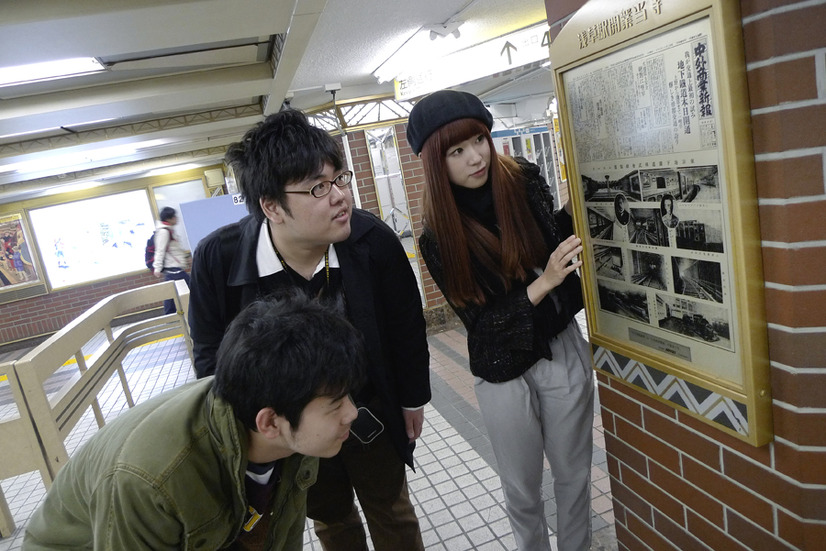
(700, 401)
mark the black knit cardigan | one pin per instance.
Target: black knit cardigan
(508, 334)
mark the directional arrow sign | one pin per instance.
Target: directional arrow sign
(507, 48)
(494, 56)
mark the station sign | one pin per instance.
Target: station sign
(498, 55)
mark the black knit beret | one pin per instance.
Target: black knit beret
(439, 108)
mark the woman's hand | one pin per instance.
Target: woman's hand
(557, 269)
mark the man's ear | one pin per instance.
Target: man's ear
(272, 209)
(269, 424)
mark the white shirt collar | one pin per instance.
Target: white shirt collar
(267, 261)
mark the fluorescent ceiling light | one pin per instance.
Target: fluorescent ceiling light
(420, 50)
(172, 169)
(27, 132)
(68, 188)
(49, 70)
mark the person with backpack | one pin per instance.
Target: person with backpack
(171, 259)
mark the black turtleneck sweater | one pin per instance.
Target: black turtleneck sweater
(508, 334)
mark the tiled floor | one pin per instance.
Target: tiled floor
(455, 488)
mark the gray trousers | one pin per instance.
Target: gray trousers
(549, 408)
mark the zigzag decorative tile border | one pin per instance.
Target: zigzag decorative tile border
(707, 404)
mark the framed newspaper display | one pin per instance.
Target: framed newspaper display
(655, 123)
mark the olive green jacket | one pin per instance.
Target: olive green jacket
(167, 474)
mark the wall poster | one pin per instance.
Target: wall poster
(17, 265)
(663, 206)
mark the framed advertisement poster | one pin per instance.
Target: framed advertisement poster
(20, 275)
(655, 123)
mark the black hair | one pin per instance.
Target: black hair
(284, 352)
(167, 214)
(283, 149)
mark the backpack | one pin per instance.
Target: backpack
(149, 253)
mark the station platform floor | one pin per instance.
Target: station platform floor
(455, 488)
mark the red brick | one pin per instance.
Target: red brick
(789, 178)
(733, 496)
(631, 501)
(753, 536)
(687, 494)
(608, 421)
(789, 129)
(625, 453)
(754, 7)
(684, 440)
(798, 222)
(761, 454)
(647, 534)
(784, 33)
(655, 449)
(711, 535)
(620, 405)
(769, 84)
(804, 429)
(798, 349)
(805, 466)
(803, 535)
(656, 497)
(676, 533)
(794, 266)
(795, 309)
(626, 541)
(762, 481)
(799, 389)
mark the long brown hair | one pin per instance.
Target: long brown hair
(519, 247)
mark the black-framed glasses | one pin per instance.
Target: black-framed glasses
(323, 188)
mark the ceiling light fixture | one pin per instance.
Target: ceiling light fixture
(48, 70)
(446, 29)
(421, 50)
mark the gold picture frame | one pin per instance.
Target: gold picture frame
(655, 122)
(20, 272)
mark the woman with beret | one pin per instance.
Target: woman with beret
(505, 261)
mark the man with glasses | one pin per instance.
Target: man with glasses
(304, 233)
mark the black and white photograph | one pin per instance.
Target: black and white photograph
(648, 270)
(601, 223)
(700, 184)
(656, 183)
(605, 188)
(697, 278)
(700, 230)
(694, 319)
(609, 262)
(670, 218)
(623, 302)
(646, 228)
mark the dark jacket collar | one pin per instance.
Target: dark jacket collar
(244, 270)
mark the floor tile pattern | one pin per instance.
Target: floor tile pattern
(455, 487)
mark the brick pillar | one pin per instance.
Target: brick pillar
(677, 483)
(414, 182)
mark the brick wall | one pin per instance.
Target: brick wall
(363, 171)
(414, 181)
(679, 484)
(39, 316)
